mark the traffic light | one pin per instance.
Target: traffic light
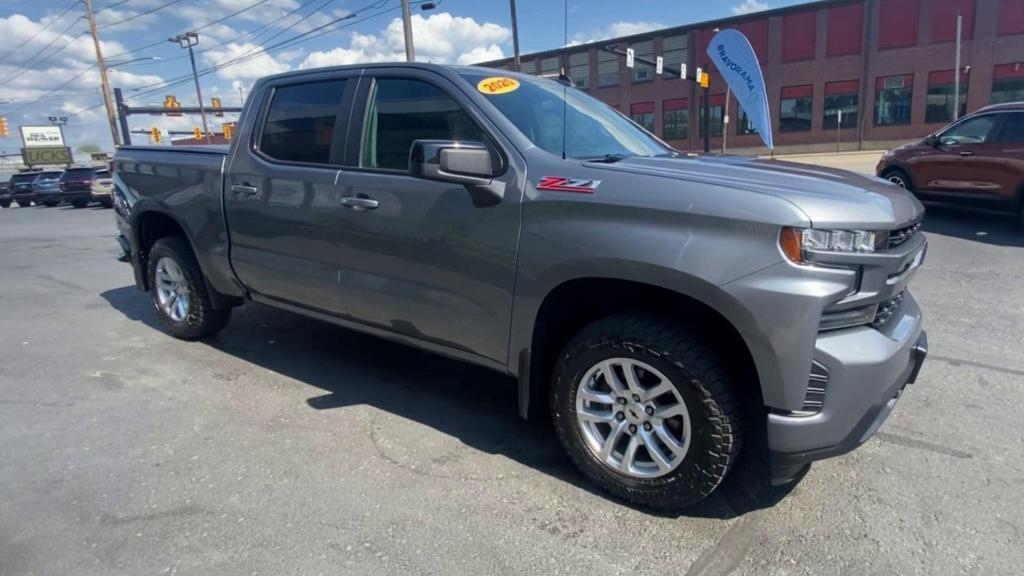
(3, 127)
(197, 133)
(228, 130)
(154, 135)
(172, 102)
(705, 80)
(215, 102)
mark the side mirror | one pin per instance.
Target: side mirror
(466, 163)
(931, 141)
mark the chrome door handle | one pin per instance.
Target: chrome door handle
(359, 204)
(967, 153)
(244, 190)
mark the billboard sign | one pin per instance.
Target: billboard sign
(46, 155)
(38, 136)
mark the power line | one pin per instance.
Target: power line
(31, 59)
(109, 6)
(40, 31)
(139, 15)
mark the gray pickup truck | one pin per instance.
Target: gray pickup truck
(673, 313)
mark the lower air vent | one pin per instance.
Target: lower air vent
(887, 308)
(817, 386)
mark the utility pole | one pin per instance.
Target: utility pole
(956, 69)
(515, 36)
(725, 117)
(107, 101)
(410, 52)
(241, 96)
(188, 40)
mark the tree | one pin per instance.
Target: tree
(90, 149)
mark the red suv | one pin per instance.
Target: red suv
(978, 160)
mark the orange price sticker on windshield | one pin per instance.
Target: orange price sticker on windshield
(497, 85)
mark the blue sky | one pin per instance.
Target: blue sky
(50, 71)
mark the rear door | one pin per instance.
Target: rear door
(281, 195)
(962, 160)
(423, 261)
(1010, 143)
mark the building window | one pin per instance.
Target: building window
(845, 24)
(607, 69)
(744, 127)
(717, 109)
(643, 72)
(842, 105)
(674, 52)
(550, 66)
(643, 114)
(1011, 18)
(675, 119)
(944, 13)
(939, 103)
(1008, 83)
(798, 36)
(579, 69)
(795, 108)
(893, 95)
(898, 27)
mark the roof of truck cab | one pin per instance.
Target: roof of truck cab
(384, 65)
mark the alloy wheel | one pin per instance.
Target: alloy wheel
(633, 419)
(172, 291)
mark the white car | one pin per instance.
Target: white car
(102, 188)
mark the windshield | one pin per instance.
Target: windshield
(591, 129)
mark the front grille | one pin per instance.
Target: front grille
(887, 308)
(897, 237)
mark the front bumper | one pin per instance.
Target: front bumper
(867, 371)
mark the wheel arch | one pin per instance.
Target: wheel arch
(576, 302)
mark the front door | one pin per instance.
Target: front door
(282, 199)
(418, 258)
(960, 161)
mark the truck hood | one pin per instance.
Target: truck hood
(830, 198)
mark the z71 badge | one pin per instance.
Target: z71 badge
(563, 184)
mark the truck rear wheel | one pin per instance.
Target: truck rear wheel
(644, 409)
(179, 291)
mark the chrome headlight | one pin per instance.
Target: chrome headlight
(796, 242)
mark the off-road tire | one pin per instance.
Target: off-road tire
(680, 353)
(202, 319)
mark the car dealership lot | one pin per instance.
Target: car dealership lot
(286, 446)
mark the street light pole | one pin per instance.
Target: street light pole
(956, 70)
(188, 40)
(107, 101)
(515, 35)
(410, 52)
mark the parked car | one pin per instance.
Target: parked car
(6, 197)
(102, 185)
(977, 160)
(76, 186)
(21, 187)
(46, 188)
(667, 311)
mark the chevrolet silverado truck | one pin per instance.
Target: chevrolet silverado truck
(672, 313)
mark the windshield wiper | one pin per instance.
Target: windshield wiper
(607, 158)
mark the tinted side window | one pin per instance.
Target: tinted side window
(300, 122)
(1013, 128)
(402, 110)
(973, 131)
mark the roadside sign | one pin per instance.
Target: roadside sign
(43, 155)
(659, 65)
(682, 71)
(630, 58)
(42, 136)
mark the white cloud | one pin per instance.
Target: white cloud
(438, 38)
(614, 30)
(749, 6)
(257, 63)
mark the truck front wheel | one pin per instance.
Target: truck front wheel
(179, 291)
(644, 408)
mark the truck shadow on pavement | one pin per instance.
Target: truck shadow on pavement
(476, 406)
(973, 224)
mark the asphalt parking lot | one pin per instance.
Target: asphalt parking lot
(287, 446)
